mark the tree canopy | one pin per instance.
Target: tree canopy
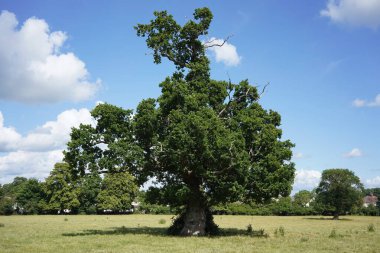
(204, 141)
(339, 191)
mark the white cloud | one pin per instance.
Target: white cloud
(50, 136)
(354, 12)
(299, 155)
(354, 153)
(373, 182)
(9, 138)
(33, 70)
(55, 134)
(226, 54)
(361, 102)
(28, 164)
(35, 154)
(306, 180)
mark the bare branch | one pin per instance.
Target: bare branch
(211, 43)
(263, 90)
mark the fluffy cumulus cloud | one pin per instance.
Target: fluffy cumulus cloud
(9, 138)
(28, 164)
(32, 68)
(306, 180)
(223, 51)
(362, 102)
(355, 152)
(354, 12)
(55, 134)
(373, 182)
(34, 155)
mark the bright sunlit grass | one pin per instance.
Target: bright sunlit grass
(146, 233)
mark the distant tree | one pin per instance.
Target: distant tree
(61, 189)
(374, 191)
(282, 206)
(10, 192)
(339, 191)
(117, 192)
(303, 198)
(6, 206)
(29, 196)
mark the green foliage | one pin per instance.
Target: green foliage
(6, 206)
(339, 191)
(89, 189)
(30, 196)
(61, 189)
(117, 192)
(23, 196)
(109, 147)
(303, 198)
(374, 191)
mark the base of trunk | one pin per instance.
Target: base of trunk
(194, 222)
(336, 216)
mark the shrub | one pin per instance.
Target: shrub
(6, 206)
(279, 231)
(249, 229)
(371, 228)
(334, 234)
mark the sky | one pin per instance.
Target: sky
(58, 59)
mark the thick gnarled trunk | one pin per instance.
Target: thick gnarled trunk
(194, 219)
(336, 215)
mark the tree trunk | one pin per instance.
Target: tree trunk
(336, 215)
(194, 218)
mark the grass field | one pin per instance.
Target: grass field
(146, 233)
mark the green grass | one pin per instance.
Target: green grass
(146, 233)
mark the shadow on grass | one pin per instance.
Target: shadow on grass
(326, 218)
(162, 232)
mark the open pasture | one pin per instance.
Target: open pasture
(146, 233)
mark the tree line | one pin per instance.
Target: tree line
(61, 193)
(114, 193)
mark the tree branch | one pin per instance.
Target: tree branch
(208, 44)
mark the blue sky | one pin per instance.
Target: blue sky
(321, 58)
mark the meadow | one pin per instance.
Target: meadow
(146, 233)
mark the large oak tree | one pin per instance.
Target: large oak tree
(204, 141)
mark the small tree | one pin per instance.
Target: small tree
(61, 190)
(29, 197)
(303, 198)
(118, 191)
(339, 191)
